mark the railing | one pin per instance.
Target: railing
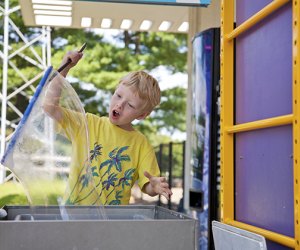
(170, 158)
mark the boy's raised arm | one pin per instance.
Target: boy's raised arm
(51, 101)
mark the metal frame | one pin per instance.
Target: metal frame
(87, 228)
(296, 110)
(6, 55)
(228, 129)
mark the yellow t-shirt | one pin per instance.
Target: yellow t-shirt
(117, 159)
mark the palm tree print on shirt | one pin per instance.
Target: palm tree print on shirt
(95, 152)
(113, 183)
(85, 178)
(115, 159)
(124, 181)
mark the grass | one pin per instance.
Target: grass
(13, 193)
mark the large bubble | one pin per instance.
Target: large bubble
(49, 154)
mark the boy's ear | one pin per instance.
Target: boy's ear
(143, 116)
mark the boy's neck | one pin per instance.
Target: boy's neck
(126, 128)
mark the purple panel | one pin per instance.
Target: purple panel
(264, 65)
(246, 8)
(274, 246)
(264, 179)
(263, 160)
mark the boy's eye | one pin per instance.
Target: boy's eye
(130, 105)
(119, 96)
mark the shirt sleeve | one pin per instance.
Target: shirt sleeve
(149, 164)
(73, 123)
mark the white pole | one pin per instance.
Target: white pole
(4, 86)
(44, 46)
(48, 45)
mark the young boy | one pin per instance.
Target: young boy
(122, 154)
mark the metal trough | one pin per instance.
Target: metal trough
(126, 227)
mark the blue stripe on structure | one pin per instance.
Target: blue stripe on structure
(26, 114)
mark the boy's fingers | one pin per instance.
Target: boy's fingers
(147, 175)
(169, 192)
(164, 185)
(166, 194)
(163, 179)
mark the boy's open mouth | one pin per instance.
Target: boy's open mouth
(115, 113)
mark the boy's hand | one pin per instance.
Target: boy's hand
(157, 185)
(74, 57)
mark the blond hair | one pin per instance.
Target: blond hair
(145, 86)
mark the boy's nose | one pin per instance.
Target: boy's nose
(120, 105)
